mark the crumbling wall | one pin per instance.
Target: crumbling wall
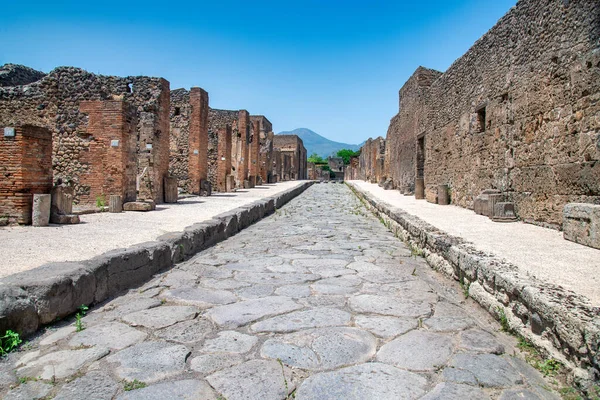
(53, 103)
(179, 145)
(518, 112)
(292, 147)
(371, 160)
(15, 74)
(218, 119)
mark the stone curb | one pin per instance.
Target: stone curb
(557, 321)
(52, 291)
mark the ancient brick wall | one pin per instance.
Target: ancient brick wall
(198, 147)
(26, 169)
(254, 150)
(218, 119)
(240, 148)
(292, 147)
(111, 153)
(352, 170)
(406, 126)
(53, 102)
(371, 160)
(223, 158)
(266, 156)
(277, 167)
(265, 146)
(518, 112)
(179, 144)
(14, 74)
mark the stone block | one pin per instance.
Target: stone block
(115, 204)
(69, 219)
(229, 183)
(504, 212)
(41, 210)
(581, 224)
(484, 203)
(170, 185)
(205, 188)
(419, 188)
(62, 200)
(139, 206)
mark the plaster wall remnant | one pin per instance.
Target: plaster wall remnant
(293, 157)
(518, 113)
(53, 102)
(26, 168)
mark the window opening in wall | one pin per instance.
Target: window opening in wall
(129, 88)
(481, 119)
(177, 111)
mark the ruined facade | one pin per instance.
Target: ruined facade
(62, 102)
(293, 157)
(189, 138)
(264, 148)
(371, 160)
(517, 113)
(352, 170)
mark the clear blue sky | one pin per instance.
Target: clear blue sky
(332, 66)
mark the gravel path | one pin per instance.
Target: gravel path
(318, 301)
(26, 247)
(537, 251)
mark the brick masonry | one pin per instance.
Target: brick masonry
(111, 154)
(223, 158)
(293, 157)
(26, 170)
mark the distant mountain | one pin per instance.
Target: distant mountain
(316, 143)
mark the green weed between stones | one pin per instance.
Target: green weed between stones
(287, 389)
(9, 342)
(78, 322)
(503, 319)
(133, 385)
(465, 288)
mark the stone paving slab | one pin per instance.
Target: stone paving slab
(523, 274)
(28, 247)
(289, 337)
(55, 290)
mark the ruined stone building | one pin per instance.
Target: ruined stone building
(293, 158)
(352, 170)
(265, 148)
(519, 113)
(189, 139)
(371, 160)
(109, 135)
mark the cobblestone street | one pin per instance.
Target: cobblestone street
(318, 301)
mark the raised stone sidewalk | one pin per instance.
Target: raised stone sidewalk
(156, 241)
(548, 288)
